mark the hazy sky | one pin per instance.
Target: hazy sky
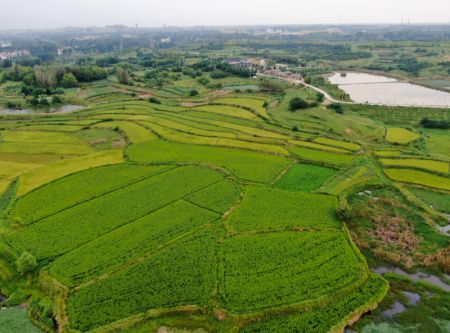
(149, 13)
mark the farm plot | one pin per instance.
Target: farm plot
(273, 269)
(254, 104)
(52, 128)
(323, 156)
(244, 164)
(133, 131)
(400, 136)
(317, 146)
(185, 128)
(10, 169)
(338, 143)
(219, 197)
(79, 187)
(227, 110)
(388, 153)
(46, 173)
(330, 317)
(117, 248)
(41, 142)
(438, 200)
(183, 274)
(419, 178)
(78, 225)
(294, 210)
(304, 177)
(431, 165)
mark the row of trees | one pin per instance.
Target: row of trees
(51, 76)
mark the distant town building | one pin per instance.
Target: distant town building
(14, 54)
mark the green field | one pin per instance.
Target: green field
(304, 177)
(400, 136)
(297, 210)
(419, 178)
(430, 165)
(194, 200)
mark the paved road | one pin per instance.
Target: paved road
(327, 95)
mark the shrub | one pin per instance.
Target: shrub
(56, 100)
(26, 263)
(336, 107)
(297, 103)
(69, 81)
(193, 92)
(154, 100)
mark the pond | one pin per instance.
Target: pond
(382, 90)
(63, 109)
(419, 276)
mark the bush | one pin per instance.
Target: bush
(430, 123)
(154, 100)
(203, 81)
(320, 97)
(26, 263)
(218, 75)
(13, 105)
(69, 81)
(193, 92)
(336, 107)
(297, 103)
(56, 100)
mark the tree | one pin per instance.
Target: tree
(56, 100)
(320, 97)
(45, 76)
(336, 107)
(193, 92)
(122, 75)
(297, 103)
(69, 81)
(154, 100)
(26, 263)
(203, 81)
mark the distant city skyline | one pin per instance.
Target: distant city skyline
(41, 14)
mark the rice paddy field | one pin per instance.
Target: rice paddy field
(210, 214)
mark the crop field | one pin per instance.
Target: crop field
(208, 213)
(297, 210)
(303, 254)
(304, 177)
(227, 110)
(322, 156)
(437, 200)
(254, 104)
(419, 178)
(430, 165)
(338, 143)
(46, 173)
(400, 136)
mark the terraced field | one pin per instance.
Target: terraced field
(137, 212)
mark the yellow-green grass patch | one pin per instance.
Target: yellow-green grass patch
(255, 104)
(186, 128)
(52, 128)
(227, 110)
(400, 135)
(431, 165)
(45, 148)
(388, 153)
(44, 174)
(11, 169)
(318, 146)
(419, 178)
(322, 156)
(182, 137)
(134, 132)
(338, 143)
